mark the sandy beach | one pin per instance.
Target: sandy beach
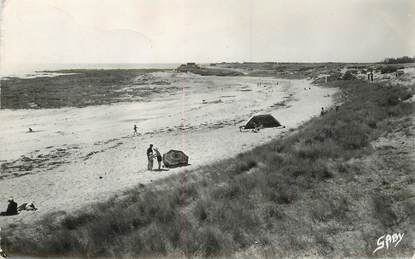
(77, 156)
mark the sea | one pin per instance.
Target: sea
(37, 70)
(43, 70)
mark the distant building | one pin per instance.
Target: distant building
(189, 67)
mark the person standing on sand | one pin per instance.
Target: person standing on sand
(150, 157)
(158, 156)
(322, 111)
(135, 130)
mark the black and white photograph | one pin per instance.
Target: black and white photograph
(241, 129)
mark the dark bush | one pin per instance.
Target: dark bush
(388, 69)
(349, 76)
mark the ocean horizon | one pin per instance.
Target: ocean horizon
(23, 70)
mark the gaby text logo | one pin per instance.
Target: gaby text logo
(388, 240)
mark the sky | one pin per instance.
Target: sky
(176, 31)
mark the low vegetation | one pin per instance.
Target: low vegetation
(77, 88)
(389, 69)
(297, 195)
(288, 70)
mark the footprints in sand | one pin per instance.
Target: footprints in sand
(36, 162)
(52, 157)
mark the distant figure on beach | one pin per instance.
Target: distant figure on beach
(159, 158)
(322, 111)
(135, 130)
(11, 209)
(370, 76)
(150, 157)
(337, 108)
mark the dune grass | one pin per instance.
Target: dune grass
(276, 195)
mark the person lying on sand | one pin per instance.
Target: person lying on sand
(11, 209)
(29, 206)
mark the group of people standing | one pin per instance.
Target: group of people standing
(153, 152)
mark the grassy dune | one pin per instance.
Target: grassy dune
(311, 192)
